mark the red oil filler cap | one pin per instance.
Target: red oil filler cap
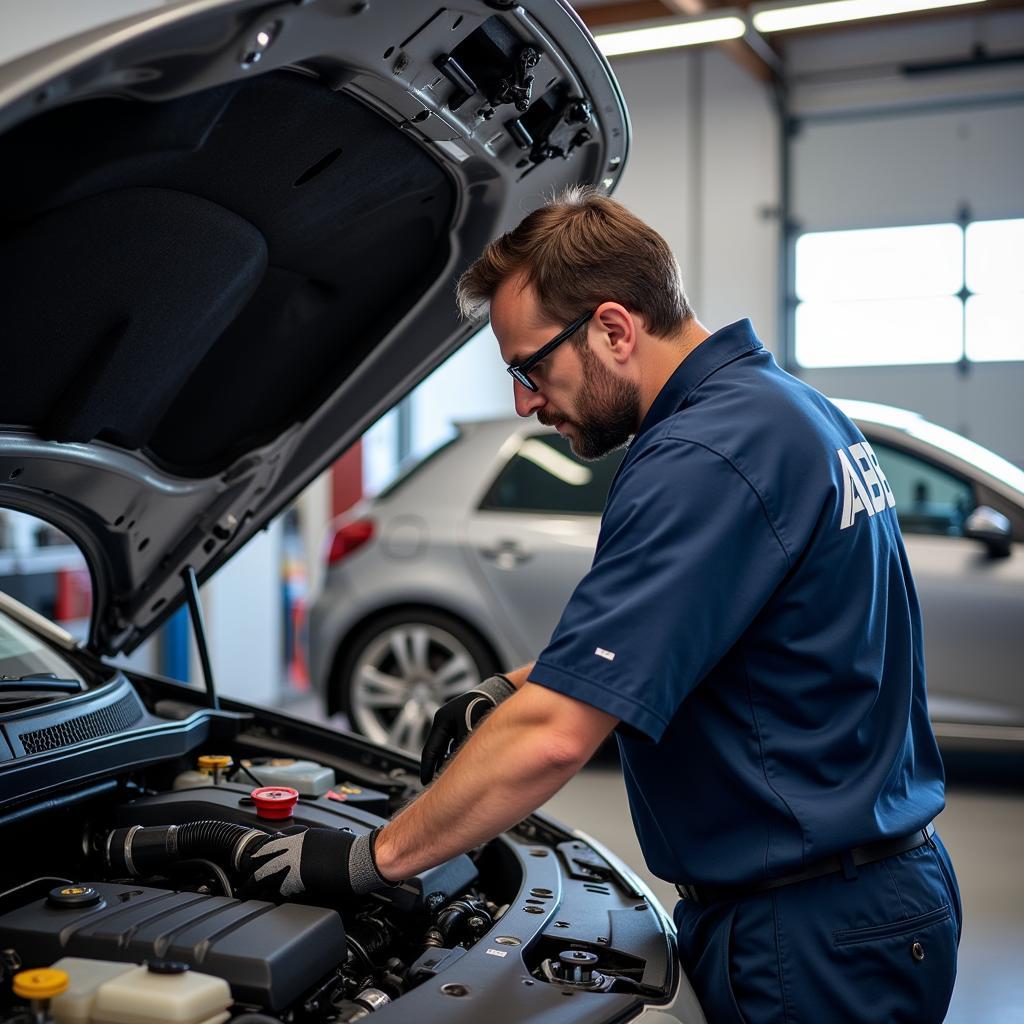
(275, 802)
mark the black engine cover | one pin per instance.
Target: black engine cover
(231, 802)
(269, 955)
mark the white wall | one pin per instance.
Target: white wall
(472, 384)
(242, 608)
(703, 170)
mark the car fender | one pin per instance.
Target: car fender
(334, 622)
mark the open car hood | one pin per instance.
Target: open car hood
(229, 238)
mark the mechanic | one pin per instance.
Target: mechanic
(749, 628)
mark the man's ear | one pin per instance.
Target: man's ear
(617, 330)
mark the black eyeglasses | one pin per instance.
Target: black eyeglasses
(521, 371)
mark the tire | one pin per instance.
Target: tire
(399, 668)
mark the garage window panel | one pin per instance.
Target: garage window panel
(879, 332)
(880, 263)
(995, 256)
(994, 328)
(929, 293)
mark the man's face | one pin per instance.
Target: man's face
(596, 409)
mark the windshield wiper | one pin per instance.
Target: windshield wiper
(42, 682)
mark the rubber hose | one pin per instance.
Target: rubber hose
(139, 850)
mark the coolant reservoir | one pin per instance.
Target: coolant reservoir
(158, 993)
(208, 771)
(309, 778)
(74, 1005)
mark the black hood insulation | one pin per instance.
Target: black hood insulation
(190, 278)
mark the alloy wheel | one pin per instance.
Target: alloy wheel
(402, 677)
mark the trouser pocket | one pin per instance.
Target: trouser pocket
(903, 926)
(899, 970)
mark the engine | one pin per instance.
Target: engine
(157, 917)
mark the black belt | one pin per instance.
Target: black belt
(703, 894)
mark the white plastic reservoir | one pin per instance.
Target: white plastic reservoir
(309, 778)
(106, 992)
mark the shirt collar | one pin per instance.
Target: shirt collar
(716, 351)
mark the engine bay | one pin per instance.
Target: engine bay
(129, 886)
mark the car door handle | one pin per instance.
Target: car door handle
(506, 553)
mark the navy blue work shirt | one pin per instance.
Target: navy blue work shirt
(751, 619)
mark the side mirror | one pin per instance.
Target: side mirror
(992, 528)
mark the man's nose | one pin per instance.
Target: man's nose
(527, 401)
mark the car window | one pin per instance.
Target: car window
(545, 476)
(928, 499)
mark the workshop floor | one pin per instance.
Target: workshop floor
(982, 827)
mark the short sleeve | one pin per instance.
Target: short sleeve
(685, 560)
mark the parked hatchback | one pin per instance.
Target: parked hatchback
(463, 566)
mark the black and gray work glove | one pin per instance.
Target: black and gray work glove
(327, 863)
(455, 720)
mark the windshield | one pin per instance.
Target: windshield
(23, 654)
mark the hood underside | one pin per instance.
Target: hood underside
(229, 238)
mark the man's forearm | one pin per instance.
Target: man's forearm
(521, 755)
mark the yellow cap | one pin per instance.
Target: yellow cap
(208, 762)
(40, 983)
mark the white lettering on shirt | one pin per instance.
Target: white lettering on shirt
(871, 493)
(607, 655)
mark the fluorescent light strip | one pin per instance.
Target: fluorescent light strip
(779, 19)
(669, 36)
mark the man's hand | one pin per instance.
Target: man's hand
(455, 720)
(328, 863)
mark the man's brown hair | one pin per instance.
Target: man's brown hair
(581, 249)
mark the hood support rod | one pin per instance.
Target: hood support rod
(195, 610)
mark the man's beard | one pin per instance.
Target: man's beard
(607, 411)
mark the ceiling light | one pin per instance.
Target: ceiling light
(779, 19)
(669, 35)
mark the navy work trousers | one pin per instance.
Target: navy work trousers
(876, 948)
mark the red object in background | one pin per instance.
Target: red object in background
(298, 668)
(349, 538)
(275, 802)
(347, 480)
(73, 600)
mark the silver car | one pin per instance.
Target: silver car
(463, 566)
